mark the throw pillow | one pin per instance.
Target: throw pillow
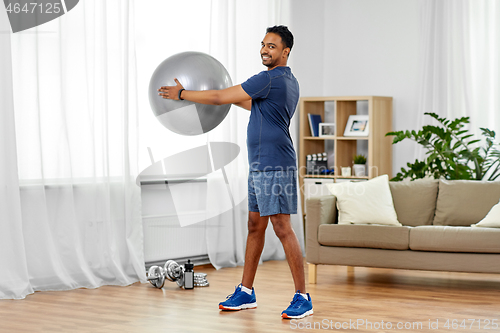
(464, 202)
(368, 202)
(415, 201)
(492, 219)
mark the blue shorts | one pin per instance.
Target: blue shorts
(272, 192)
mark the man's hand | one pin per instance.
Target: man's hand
(171, 92)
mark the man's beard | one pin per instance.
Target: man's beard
(268, 63)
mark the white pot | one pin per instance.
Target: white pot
(359, 170)
(346, 171)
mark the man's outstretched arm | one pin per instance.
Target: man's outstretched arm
(232, 95)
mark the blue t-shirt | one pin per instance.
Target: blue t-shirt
(275, 94)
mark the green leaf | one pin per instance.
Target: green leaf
(467, 136)
(473, 141)
(449, 154)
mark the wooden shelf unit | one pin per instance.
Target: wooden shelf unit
(379, 159)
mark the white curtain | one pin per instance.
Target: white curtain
(14, 277)
(236, 30)
(460, 73)
(484, 38)
(70, 206)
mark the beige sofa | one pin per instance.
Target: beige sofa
(435, 233)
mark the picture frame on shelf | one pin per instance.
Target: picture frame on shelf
(357, 125)
(326, 129)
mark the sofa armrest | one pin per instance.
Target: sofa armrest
(320, 210)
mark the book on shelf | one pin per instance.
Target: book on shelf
(314, 121)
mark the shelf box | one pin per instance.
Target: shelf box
(320, 176)
(350, 179)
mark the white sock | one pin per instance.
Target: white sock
(245, 289)
(305, 296)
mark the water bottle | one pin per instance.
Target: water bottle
(188, 275)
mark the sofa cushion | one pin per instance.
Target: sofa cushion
(415, 201)
(369, 236)
(465, 202)
(455, 239)
(368, 202)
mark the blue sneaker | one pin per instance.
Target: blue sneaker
(239, 300)
(299, 307)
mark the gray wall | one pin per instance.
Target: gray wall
(360, 47)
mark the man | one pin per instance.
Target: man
(272, 97)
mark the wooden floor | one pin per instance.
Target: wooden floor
(368, 294)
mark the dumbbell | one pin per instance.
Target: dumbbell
(174, 272)
(156, 276)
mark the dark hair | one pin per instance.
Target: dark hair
(285, 34)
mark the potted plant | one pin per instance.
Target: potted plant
(359, 165)
(452, 153)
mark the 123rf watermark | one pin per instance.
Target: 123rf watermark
(474, 325)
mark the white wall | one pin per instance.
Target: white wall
(307, 56)
(361, 47)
